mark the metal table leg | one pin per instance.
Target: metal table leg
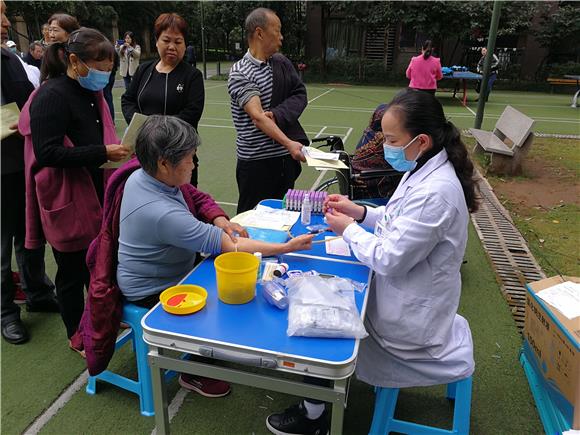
(337, 417)
(159, 392)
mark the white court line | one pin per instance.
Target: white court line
(317, 97)
(174, 406)
(325, 171)
(347, 135)
(467, 107)
(231, 127)
(216, 86)
(307, 125)
(235, 204)
(61, 400)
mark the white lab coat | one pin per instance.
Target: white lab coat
(415, 337)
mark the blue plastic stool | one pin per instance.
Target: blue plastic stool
(132, 315)
(386, 402)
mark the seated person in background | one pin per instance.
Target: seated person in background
(158, 235)
(368, 156)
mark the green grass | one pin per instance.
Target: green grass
(35, 374)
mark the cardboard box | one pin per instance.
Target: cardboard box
(554, 342)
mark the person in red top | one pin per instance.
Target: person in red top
(424, 70)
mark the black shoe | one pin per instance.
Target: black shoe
(43, 306)
(14, 332)
(294, 421)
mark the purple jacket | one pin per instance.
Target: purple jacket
(99, 325)
(62, 206)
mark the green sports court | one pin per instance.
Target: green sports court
(43, 382)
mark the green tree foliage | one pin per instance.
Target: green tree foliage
(36, 13)
(560, 31)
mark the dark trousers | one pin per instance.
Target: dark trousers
(265, 179)
(194, 173)
(127, 80)
(490, 81)
(35, 283)
(72, 276)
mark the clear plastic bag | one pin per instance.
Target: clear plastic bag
(323, 307)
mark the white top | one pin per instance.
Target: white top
(32, 73)
(415, 336)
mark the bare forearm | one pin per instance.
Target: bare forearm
(270, 129)
(250, 245)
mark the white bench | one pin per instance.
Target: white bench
(508, 143)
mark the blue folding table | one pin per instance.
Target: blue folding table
(254, 334)
(461, 77)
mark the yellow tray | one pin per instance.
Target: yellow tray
(183, 299)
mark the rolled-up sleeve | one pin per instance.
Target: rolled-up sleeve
(241, 89)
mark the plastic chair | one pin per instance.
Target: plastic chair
(386, 402)
(132, 315)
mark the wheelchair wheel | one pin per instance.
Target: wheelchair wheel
(330, 186)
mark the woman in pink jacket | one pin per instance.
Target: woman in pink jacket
(424, 70)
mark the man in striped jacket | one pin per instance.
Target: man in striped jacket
(267, 98)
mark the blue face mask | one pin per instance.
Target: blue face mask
(395, 156)
(95, 80)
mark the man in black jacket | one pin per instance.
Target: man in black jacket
(16, 87)
(267, 98)
(34, 55)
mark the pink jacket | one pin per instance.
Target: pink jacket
(62, 206)
(424, 73)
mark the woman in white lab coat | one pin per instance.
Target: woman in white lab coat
(416, 337)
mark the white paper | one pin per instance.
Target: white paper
(565, 297)
(337, 246)
(571, 432)
(129, 139)
(318, 154)
(9, 114)
(267, 217)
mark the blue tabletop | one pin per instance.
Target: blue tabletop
(257, 324)
(464, 75)
(318, 250)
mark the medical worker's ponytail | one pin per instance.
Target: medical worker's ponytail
(421, 113)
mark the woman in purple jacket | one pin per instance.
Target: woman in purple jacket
(69, 136)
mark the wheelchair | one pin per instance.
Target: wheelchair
(355, 182)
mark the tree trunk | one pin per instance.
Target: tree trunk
(323, 41)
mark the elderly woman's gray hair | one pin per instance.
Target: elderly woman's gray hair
(164, 137)
(257, 18)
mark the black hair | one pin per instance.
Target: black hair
(421, 113)
(428, 48)
(86, 43)
(164, 137)
(130, 35)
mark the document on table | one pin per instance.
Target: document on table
(321, 160)
(129, 139)
(267, 217)
(337, 246)
(9, 114)
(565, 297)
